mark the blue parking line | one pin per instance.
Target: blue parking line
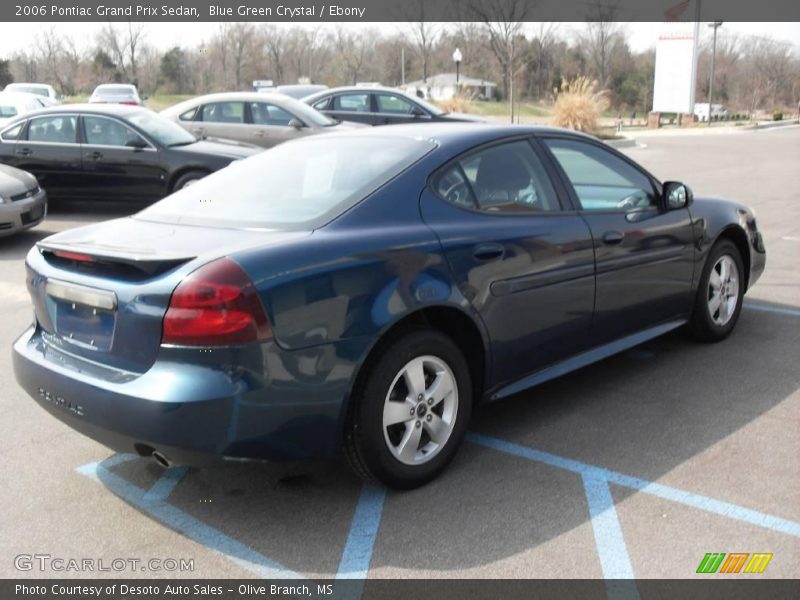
(192, 528)
(357, 552)
(794, 312)
(725, 509)
(165, 484)
(611, 547)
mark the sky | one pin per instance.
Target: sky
(640, 35)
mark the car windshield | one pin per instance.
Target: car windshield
(432, 108)
(114, 90)
(297, 185)
(162, 130)
(311, 115)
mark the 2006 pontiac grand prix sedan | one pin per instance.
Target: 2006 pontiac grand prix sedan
(363, 291)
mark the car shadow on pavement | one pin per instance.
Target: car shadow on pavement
(652, 412)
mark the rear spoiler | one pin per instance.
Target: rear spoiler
(149, 264)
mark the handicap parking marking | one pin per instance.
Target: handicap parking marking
(781, 310)
(194, 529)
(720, 507)
(165, 484)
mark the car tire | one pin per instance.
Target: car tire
(412, 373)
(188, 179)
(719, 294)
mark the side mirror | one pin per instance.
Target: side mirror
(296, 123)
(418, 113)
(136, 143)
(676, 195)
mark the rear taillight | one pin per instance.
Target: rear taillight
(217, 305)
(129, 103)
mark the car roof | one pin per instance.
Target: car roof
(443, 132)
(115, 110)
(355, 88)
(130, 86)
(275, 97)
(13, 96)
(24, 84)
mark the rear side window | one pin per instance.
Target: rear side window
(189, 115)
(61, 129)
(298, 185)
(506, 178)
(352, 103)
(223, 112)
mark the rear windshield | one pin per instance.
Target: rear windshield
(39, 91)
(296, 185)
(114, 90)
(7, 111)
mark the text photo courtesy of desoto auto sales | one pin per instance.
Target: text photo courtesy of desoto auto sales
(375, 300)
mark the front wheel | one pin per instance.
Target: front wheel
(719, 295)
(411, 413)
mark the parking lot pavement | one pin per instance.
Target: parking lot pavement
(635, 466)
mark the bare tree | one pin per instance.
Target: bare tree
(502, 21)
(276, 42)
(424, 36)
(601, 36)
(136, 34)
(352, 50)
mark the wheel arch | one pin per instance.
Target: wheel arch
(453, 322)
(738, 237)
(183, 171)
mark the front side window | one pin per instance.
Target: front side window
(269, 114)
(223, 112)
(298, 185)
(60, 129)
(352, 103)
(602, 181)
(389, 103)
(503, 178)
(101, 131)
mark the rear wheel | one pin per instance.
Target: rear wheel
(719, 295)
(410, 415)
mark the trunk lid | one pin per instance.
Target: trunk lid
(100, 292)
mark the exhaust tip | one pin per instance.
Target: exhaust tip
(161, 459)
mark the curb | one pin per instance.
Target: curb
(624, 143)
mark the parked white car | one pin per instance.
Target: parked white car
(45, 91)
(14, 104)
(717, 111)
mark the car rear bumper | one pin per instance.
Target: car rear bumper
(22, 214)
(198, 413)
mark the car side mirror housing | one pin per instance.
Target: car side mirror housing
(417, 112)
(676, 195)
(136, 144)
(296, 123)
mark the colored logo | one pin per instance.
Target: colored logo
(735, 562)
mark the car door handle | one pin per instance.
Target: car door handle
(94, 155)
(23, 152)
(488, 251)
(612, 238)
(260, 133)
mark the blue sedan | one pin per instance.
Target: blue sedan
(361, 293)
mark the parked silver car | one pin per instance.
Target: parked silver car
(14, 104)
(263, 119)
(116, 93)
(23, 204)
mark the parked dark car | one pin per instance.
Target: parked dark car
(366, 289)
(110, 152)
(379, 106)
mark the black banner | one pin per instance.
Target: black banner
(745, 587)
(399, 11)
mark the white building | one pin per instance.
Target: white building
(443, 87)
(717, 111)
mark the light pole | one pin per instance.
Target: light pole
(457, 59)
(716, 25)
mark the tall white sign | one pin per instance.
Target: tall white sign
(676, 67)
